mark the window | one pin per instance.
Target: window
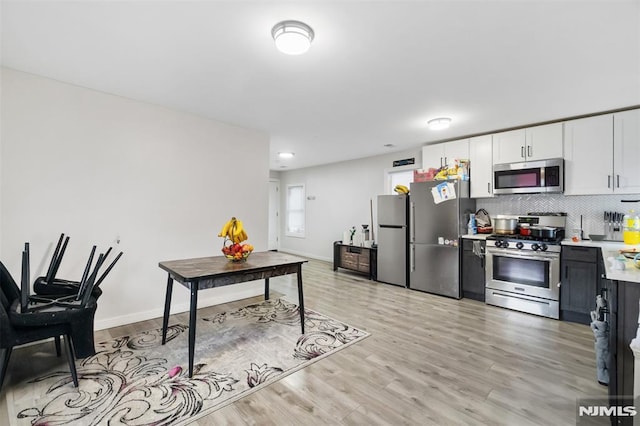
(295, 211)
(404, 177)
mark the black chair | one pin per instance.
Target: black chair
(49, 285)
(26, 319)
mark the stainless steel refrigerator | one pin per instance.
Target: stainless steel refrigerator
(393, 239)
(434, 242)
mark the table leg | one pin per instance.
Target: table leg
(266, 289)
(167, 307)
(192, 324)
(300, 297)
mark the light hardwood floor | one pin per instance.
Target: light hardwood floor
(429, 360)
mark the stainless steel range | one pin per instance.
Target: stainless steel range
(523, 271)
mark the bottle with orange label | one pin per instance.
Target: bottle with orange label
(631, 228)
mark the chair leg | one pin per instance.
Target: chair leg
(72, 359)
(58, 350)
(4, 363)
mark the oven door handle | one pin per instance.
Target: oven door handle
(539, 256)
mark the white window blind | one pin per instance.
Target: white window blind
(295, 211)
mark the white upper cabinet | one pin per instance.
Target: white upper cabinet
(626, 152)
(588, 155)
(530, 144)
(432, 156)
(441, 154)
(602, 154)
(481, 164)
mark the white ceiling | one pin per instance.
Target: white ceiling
(376, 72)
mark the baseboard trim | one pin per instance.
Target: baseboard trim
(225, 297)
(309, 255)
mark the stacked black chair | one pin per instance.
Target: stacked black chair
(49, 285)
(64, 308)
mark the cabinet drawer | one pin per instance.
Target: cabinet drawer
(349, 258)
(581, 254)
(363, 267)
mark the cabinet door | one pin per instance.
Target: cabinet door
(626, 152)
(481, 173)
(456, 150)
(544, 142)
(588, 155)
(509, 147)
(472, 272)
(578, 290)
(433, 156)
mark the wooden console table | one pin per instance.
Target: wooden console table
(209, 272)
(356, 258)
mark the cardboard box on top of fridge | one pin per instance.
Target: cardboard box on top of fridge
(424, 176)
(459, 170)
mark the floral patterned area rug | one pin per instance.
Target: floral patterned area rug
(135, 380)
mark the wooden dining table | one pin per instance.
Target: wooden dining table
(218, 271)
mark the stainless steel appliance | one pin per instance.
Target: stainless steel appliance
(523, 272)
(544, 176)
(393, 239)
(434, 246)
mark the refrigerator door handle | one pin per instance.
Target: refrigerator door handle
(412, 258)
(412, 220)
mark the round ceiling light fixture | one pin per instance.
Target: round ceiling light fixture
(292, 37)
(286, 155)
(439, 123)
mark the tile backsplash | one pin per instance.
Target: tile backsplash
(591, 207)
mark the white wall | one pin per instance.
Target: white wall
(343, 192)
(98, 167)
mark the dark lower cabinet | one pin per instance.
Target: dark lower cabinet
(622, 298)
(355, 258)
(579, 277)
(472, 269)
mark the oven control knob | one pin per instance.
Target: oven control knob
(505, 244)
(519, 245)
(543, 247)
(535, 247)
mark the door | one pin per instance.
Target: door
(586, 140)
(429, 220)
(456, 150)
(509, 147)
(481, 173)
(432, 156)
(392, 255)
(626, 152)
(544, 142)
(274, 214)
(434, 269)
(392, 209)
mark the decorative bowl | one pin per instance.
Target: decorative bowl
(236, 252)
(242, 258)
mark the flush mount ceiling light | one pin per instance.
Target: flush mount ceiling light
(439, 123)
(286, 155)
(292, 37)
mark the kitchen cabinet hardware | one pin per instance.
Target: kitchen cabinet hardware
(618, 181)
(529, 151)
(522, 151)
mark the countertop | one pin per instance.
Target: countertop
(476, 236)
(611, 249)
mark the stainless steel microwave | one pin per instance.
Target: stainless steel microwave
(531, 177)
